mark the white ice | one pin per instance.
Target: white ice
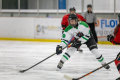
(17, 55)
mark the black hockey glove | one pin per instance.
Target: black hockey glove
(76, 43)
(110, 37)
(58, 49)
(80, 34)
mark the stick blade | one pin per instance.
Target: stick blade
(118, 78)
(22, 71)
(67, 77)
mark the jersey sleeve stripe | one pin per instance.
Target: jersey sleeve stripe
(64, 42)
(84, 38)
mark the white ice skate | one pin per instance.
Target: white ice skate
(106, 67)
(60, 65)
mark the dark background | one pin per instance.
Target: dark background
(13, 4)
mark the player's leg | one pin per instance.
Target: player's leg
(94, 33)
(92, 28)
(91, 44)
(70, 51)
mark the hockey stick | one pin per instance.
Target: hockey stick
(22, 71)
(118, 78)
(70, 78)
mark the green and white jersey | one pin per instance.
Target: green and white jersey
(70, 31)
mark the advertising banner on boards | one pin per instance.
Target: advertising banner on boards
(105, 27)
(50, 28)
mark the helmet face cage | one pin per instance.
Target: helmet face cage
(73, 17)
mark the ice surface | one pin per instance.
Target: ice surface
(17, 55)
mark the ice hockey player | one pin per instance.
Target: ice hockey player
(82, 35)
(116, 38)
(65, 22)
(117, 63)
(116, 41)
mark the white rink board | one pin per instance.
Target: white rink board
(45, 28)
(16, 27)
(48, 28)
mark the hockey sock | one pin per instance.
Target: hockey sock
(67, 54)
(98, 56)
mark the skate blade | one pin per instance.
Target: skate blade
(58, 69)
(108, 69)
(80, 52)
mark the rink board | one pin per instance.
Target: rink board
(50, 28)
(46, 29)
